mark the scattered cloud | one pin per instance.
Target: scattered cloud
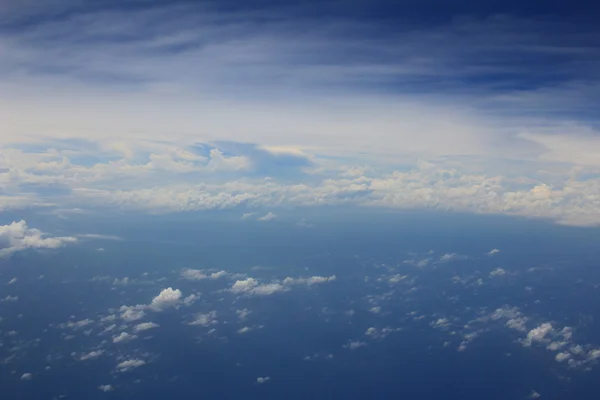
(267, 217)
(263, 379)
(167, 298)
(26, 376)
(251, 286)
(204, 319)
(128, 365)
(92, 355)
(124, 337)
(353, 345)
(493, 251)
(18, 236)
(106, 388)
(144, 326)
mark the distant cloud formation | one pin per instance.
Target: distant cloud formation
(167, 298)
(144, 326)
(128, 365)
(17, 236)
(251, 286)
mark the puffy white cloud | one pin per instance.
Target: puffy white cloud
(262, 379)
(397, 278)
(132, 313)
(440, 323)
(205, 319)
(539, 334)
(313, 280)
(245, 329)
(534, 395)
(124, 337)
(76, 324)
(144, 326)
(128, 365)
(26, 376)
(167, 298)
(560, 357)
(197, 275)
(353, 345)
(493, 251)
(498, 272)
(106, 388)
(375, 333)
(191, 299)
(251, 286)
(243, 314)
(92, 355)
(18, 236)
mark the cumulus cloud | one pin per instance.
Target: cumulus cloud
(106, 388)
(132, 313)
(263, 379)
(124, 337)
(18, 236)
(92, 355)
(353, 345)
(243, 313)
(144, 326)
(267, 217)
(9, 298)
(128, 365)
(26, 376)
(197, 275)
(167, 298)
(251, 286)
(493, 251)
(498, 272)
(205, 319)
(539, 334)
(313, 280)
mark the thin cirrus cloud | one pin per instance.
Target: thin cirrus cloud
(274, 110)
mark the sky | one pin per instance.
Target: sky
(299, 199)
(164, 106)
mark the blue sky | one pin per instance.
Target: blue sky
(481, 107)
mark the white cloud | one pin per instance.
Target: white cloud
(313, 280)
(9, 298)
(92, 355)
(539, 334)
(128, 365)
(13, 280)
(124, 337)
(197, 275)
(191, 299)
(493, 251)
(498, 272)
(353, 345)
(132, 313)
(144, 326)
(106, 388)
(18, 236)
(560, 357)
(397, 278)
(77, 324)
(262, 379)
(375, 310)
(26, 376)
(267, 217)
(245, 329)
(205, 319)
(534, 395)
(251, 286)
(167, 298)
(450, 257)
(243, 314)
